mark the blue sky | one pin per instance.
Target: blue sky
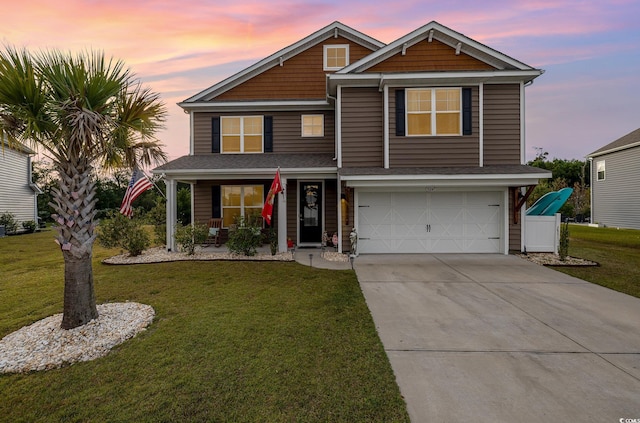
(590, 50)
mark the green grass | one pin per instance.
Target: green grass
(231, 341)
(617, 251)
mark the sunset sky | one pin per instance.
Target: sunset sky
(588, 96)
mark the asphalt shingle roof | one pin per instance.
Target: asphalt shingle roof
(249, 161)
(629, 139)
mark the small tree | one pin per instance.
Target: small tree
(188, 236)
(9, 222)
(563, 248)
(246, 237)
(120, 231)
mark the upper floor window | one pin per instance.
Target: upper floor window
(600, 170)
(336, 56)
(434, 111)
(312, 125)
(243, 134)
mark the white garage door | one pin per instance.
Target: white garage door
(435, 222)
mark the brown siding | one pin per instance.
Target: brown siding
(434, 151)
(429, 56)
(292, 209)
(501, 124)
(300, 77)
(330, 206)
(362, 127)
(287, 128)
(348, 221)
(515, 243)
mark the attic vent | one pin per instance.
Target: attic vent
(458, 47)
(431, 35)
(335, 33)
(404, 49)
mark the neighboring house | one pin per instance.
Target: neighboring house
(18, 194)
(418, 144)
(615, 172)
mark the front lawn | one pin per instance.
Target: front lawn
(617, 251)
(231, 341)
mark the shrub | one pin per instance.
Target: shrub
(29, 226)
(157, 217)
(246, 237)
(563, 248)
(9, 222)
(188, 236)
(121, 232)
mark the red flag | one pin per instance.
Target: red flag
(276, 187)
(138, 184)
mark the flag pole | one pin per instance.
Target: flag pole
(154, 184)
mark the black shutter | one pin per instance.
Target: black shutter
(268, 134)
(400, 129)
(216, 209)
(466, 111)
(215, 134)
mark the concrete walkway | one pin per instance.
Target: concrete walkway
(494, 338)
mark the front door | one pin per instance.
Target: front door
(310, 212)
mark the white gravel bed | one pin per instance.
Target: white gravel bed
(44, 345)
(159, 255)
(550, 259)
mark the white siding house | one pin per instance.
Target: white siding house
(615, 172)
(18, 194)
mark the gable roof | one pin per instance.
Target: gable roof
(437, 31)
(333, 30)
(632, 139)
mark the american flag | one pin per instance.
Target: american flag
(137, 185)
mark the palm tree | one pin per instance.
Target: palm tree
(82, 112)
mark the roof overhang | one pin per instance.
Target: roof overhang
(613, 150)
(496, 176)
(192, 175)
(257, 106)
(430, 79)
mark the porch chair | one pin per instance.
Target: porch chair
(215, 226)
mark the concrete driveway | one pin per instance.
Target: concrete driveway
(495, 338)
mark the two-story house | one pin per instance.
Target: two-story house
(418, 144)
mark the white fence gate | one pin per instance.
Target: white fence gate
(542, 234)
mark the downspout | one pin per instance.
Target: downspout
(385, 117)
(591, 185)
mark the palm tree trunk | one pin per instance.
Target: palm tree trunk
(74, 203)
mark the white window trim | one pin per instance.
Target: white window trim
(242, 207)
(434, 129)
(302, 126)
(241, 135)
(324, 55)
(604, 171)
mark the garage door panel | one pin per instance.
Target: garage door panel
(418, 222)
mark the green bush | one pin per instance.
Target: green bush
(157, 217)
(29, 226)
(118, 231)
(188, 236)
(10, 223)
(563, 248)
(246, 237)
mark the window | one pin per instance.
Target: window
(434, 111)
(336, 56)
(245, 201)
(600, 171)
(312, 125)
(242, 134)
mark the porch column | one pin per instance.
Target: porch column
(282, 217)
(172, 213)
